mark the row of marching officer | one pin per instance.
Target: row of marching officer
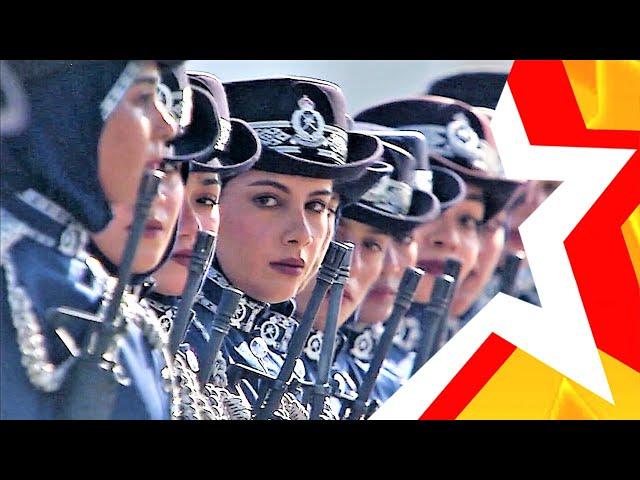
(173, 247)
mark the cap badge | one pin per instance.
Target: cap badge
(308, 124)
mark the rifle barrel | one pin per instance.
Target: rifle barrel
(227, 307)
(407, 288)
(269, 401)
(91, 390)
(330, 332)
(200, 259)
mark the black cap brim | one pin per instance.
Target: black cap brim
(351, 191)
(244, 150)
(425, 207)
(448, 186)
(497, 191)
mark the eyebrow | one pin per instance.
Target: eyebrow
(376, 231)
(321, 192)
(211, 181)
(148, 78)
(475, 196)
(270, 183)
(284, 188)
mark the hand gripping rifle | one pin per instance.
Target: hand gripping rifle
(201, 258)
(436, 311)
(510, 272)
(321, 388)
(401, 305)
(91, 387)
(271, 395)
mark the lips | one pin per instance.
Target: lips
(346, 295)
(292, 267)
(154, 164)
(514, 235)
(183, 257)
(382, 291)
(151, 229)
(433, 267)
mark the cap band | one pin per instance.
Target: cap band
(390, 195)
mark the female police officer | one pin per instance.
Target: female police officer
(275, 218)
(69, 188)
(459, 140)
(218, 147)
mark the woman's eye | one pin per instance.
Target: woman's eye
(266, 201)
(469, 222)
(404, 240)
(492, 227)
(372, 245)
(145, 99)
(209, 201)
(317, 206)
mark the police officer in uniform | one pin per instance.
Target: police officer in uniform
(459, 140)
(66, 204)
(275, 218)
(217, 146)
(392, 207)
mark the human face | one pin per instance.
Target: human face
(454, 234)
(333, 206)
(367, 260)
(133, 141)
(492, 241)
(200, 212)
(529, 197)
(273, 228)
(378, 304)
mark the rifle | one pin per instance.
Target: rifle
(200, 261)
(436, 312)
(320, 389)
(271, 395)
(91, 388)
(227, 306)
(510, 272)
(408, 285)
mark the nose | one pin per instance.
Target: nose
(445, 236)
(297, 231)
(356, 262)
(391, 260)
(190, 225)
(164, 125)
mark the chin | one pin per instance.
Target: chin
(425, 287)
(171, 279)
(271, 295)
(145, 263)
(174, 289)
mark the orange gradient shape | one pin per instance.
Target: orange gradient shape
(607, 92)
(526, 389)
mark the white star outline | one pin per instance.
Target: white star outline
(558, 333)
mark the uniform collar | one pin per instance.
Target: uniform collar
(48, 223)
(248, 309)
(362, 340)
(276, 329)
(313, 347)
(409, 332)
